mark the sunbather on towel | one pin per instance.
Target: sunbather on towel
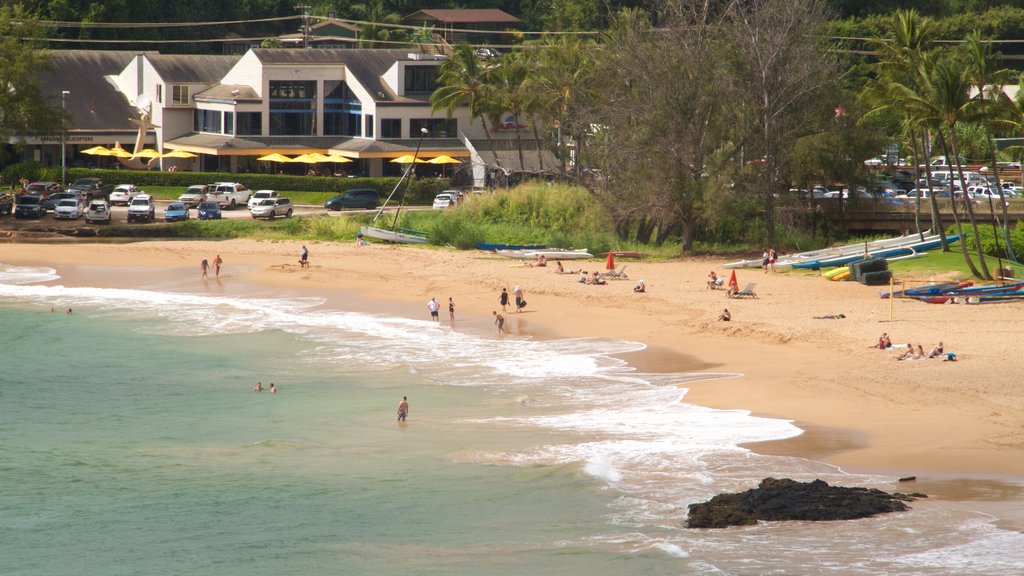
(937, 351)
(908, 355)
(831, 317)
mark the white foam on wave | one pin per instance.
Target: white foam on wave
(20, 275)
(600, 467)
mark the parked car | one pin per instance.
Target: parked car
(50, 202)
(444, 200)
(175, 212)
(366, 198)
(259, 196)
(92, 188)
(68, 209)
(29, 206)
(43, 189)
(123, 194)
(209, 210)
(98, 211)
(141, 208)
(229, 194)
(194, 195)
(6, 203)
(272, 208)
(487, 53)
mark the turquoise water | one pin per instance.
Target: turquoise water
(131, 443)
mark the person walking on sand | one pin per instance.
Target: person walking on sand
(499, 320)
(503, 300)
(433, 306)
(216, 265)
(772, 257)
(403, 409)
(451, 310)
(205, 267)
(520, 301)
(764, 261)
(304, 258)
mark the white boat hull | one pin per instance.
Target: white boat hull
(392, 236)
(856, 248)
(549, 254)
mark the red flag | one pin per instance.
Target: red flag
(610, 263)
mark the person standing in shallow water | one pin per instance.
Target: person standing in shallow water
(205, 267)
(216, 266)
(451, 310)
(403, 409)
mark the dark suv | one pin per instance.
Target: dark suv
(29, 206)
(367, 198)
(92, 188)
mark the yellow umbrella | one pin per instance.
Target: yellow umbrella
(97, 151)
(179, 154)
(305, 159)
(408, 159)
(318, 156)
(119, 152)
(444, 160)
(336, 158)
(275, 157)
(147, 153)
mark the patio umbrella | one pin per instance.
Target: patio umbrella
(338, 159)
(408, 159)
(305, 159)
(119, 152)
(97, 151)
(275, 157)
(179, 154)
(147, 153)
(444, 160)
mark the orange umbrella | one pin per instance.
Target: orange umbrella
(732, 280)
(610, 263)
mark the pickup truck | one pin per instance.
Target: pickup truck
(229, 194)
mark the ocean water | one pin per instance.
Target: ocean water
(130, 443)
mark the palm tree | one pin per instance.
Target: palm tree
(463, 81)
(506, 84)
(945, 100)
(988, 77)
(372, 13)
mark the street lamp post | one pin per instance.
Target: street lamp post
(63, 156)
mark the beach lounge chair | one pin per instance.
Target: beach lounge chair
(747, 292)
(615, 275)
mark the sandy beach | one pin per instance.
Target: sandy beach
(862, 408)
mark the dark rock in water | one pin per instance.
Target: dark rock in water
(786, 499)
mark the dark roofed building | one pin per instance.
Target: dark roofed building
(187, 68)
(328, 33)
(473, 25)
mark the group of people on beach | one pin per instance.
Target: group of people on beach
(434, 307)
(259, 388)
(768, 259)
(204, 266)
(915, 352)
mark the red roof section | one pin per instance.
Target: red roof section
(465, 16)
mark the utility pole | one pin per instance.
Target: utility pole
(63, 157)
(305, 24)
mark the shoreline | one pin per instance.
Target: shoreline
(934, 420)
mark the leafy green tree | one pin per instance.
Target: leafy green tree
(24, 107)
(374, 13)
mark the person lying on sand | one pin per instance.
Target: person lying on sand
(937, 351)
(831, 317)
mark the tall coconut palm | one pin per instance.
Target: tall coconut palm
(506, 79)
(463, 81)
(374, 14)
(983, 68)
(945, 100)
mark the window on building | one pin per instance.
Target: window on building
(180, 95)
(368, 125)
(293, 108)
(207, 121)
(160, 93)
(342, 110)
(390, 128)
(436, 127)
(420, 79)
(249, 124)
(229, 122)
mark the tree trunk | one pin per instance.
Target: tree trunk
(645, 229)
(1002, 202)
(536, 138)
(519, 144)
(917, 178)
(490, 142)
(956, 218)
(970, 207)
(933, 202)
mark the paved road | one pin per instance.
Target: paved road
(119, 215)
